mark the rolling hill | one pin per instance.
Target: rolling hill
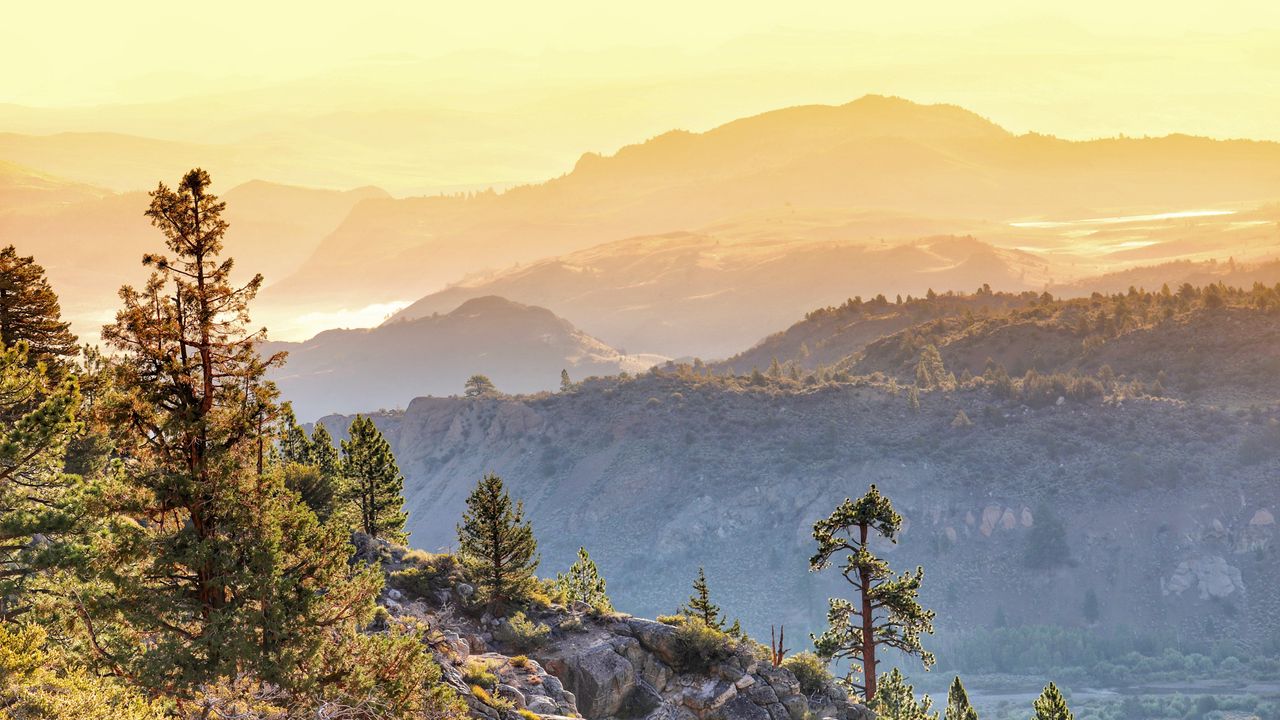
(521, 348)
(709, 294)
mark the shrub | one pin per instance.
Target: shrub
(487, 698)
(810, 671)
(699, 646)
(520, 661)
(523, 634)
(476, 672)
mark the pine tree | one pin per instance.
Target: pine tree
(29, 311)
(700, 605)
(931, 372)
(565, 383)
(497, 542)
(295, 446)
(913, 397)
(885, 611)
(41, 510)
(583, 583)
(324, 455)
(958, 706)
(374, 481)
(214, 563)
(1051, 705)
(479, 386)
(897, 700)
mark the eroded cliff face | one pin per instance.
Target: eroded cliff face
(1164, 516)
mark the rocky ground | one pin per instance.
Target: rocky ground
(598, 666)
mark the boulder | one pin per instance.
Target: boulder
(599, 678)
(740, 708)
(707, 695)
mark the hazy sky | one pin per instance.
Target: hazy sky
(581, 75)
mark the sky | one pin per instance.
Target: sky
(521, 90)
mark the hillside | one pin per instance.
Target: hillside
(710, 294)
(21, 186)
(731, 474)
(828, 335)
(874, 153)
(520, 347)
(1210, 345)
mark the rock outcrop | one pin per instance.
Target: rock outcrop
(597, 666)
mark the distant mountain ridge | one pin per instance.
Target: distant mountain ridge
(520, 347)
(874, 153)
(713, 293)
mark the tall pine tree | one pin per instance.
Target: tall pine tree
(213, 570)
(29, 311)
(374, 481)
(885, 610)
(497, 543)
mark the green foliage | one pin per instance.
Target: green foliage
(698, 645)
(523, 634)
(374, 481)
(476, 672)
(36, 684)
(497, 544)
(295, 446)
(41, 508)
(479, 386)
(565, 383)
(428, 573)
(30, 314)
(958, 706)
(896, 700)
(1051, 705)
(700, 605)
(583, 583)
(810, 670)
(886, 610)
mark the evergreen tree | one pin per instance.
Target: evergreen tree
(374, 481)
(1047, 546)
(479, 386)
(897, 700)
(324, 455)
(885, 610)
(295, 446)
(214, 568)
(583, 583)
(497, 542)
(930, 371)
(913, 397)
(565, 383)
(1051, 705)
(29, 311)
(700, 605)
(958, 706)
(40, 508)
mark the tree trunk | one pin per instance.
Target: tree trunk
(868, 628)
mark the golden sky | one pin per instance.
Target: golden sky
(583, 75)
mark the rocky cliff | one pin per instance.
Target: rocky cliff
(1166, 509)
(589, 665)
